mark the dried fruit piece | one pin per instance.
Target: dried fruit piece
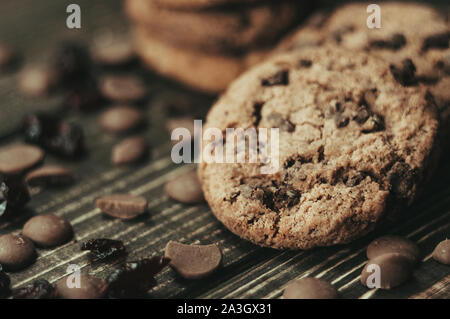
(40, 289)
(134, 279)
(103, 249)
(72, 62)
(13, 195)
(5, 281)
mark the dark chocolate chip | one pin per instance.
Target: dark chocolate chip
(436, 41)
(362, 115)
(396, 42)
(14, 195)
(375, 123)
(193, 261)
(405, 74)
(48, 230)
(279, 78)
(341, 120)
(89, 288)
(393, 244)
(16, 252)
(286, 197)
(185, 189)
(401, 178)
(304, 63)
(123, 206)
(278, 121)
(50, 176)
(310, 288)
(39, 289)
(354, 179)
(442, 252)
(257, 108)
(103, 249)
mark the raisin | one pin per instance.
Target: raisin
(84, 97)
(396, 42)
(279, 78)
(4, 283)
(13, 195)
(134, 279)
(69, 142)
(436, 41)
(278, 121)
(405, 74)
(40, 289)
(103, 249)
(72, 62)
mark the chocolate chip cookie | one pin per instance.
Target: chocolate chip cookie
(198, 70)
(231, 30)
(354, 146)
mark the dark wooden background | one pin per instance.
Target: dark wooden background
(36, 27)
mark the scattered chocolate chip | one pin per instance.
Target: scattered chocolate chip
(401, 178)
(37, 81)
(123, 206)
(134, 279)
(310, 288)
(193, 261)
(14, 195)
(50, 176)
(48, 230)
(393, 244)
(122, 88)
(110, 50)
(89, 288)
(72, 63)
(256, 116)
(396, 42)
(436, 41)
(39, 289)
(341, 120)
(130, 150)
(278, 121)
(61, 138)
(16, 159)
(103, 249)
(185, 189)
(404, 74)
(120, 119)
(374, 123)
(279, 78)
(285, 197)
(304, 63)
(5, 281)
(354, 179)
(394, 270)
(16, 252)
(442, 252)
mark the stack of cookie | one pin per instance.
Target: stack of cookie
(207, 44)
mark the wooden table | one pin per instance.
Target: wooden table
(248, 271)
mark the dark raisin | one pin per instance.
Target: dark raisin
(84, 97)
(72, 62)
(39, 127)
(134, 279)
(278, 121)
(4, 283)
(69, 142)
(103, 249)
(341, 120)
(406, 73)
(396, 42)
(355, 179)
(279, 78)
(436, 41)
(304, 63)
(401, 178)
(13, 195)
(40, 289)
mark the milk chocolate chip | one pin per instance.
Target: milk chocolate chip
(50, 176)
(123, 206)
(122, 88)
(48, 230)
(15, 159)
(129, 150)
(89, 288)
(393, 244)
(120, 119)
(16, 252)
(185, 188)
(310, 288)
(442, 252)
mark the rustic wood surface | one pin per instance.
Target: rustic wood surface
(248, 271)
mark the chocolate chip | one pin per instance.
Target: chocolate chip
(256, 116)
(14, 195)
(123, 206)
(442, 252)
(394, 270)
(396, 42)
(48, 230)
(278, 121)
(134, 279)
(354, 179)
(404, 74)
(130, 150)
(193, 261)
(436, 41)
(122, 88)
(103, 249)
(37, 81)
(310, 288)
(362, 115)
(279, 78)
(374, 123)
(286, 197)
(304, 63)
(16, 159)
(5, 281)
(110, 50)
(9, 57)
(341, 120)
(401, 178)
(393, 244)
(338, 33)
(185, 189)
(16, 252)
(89, 288)
(39, 289)
(50, 176)
(120, 119)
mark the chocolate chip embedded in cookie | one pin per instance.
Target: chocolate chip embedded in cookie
(354, 145)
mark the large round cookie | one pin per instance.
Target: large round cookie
(203, 72)
(354, 146)
(221, 31)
